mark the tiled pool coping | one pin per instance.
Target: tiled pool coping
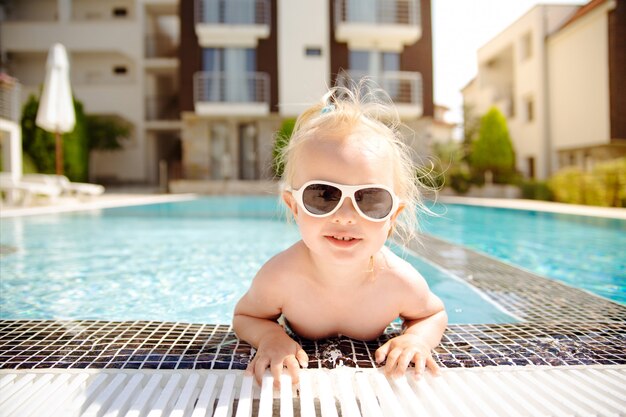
(561, 326)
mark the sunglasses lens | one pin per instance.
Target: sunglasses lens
(321, 198)
(375, 203)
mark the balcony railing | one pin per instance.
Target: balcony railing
(222, 87)
(162, 108)
(9, 99)
(403, 87)
(387, 12)
(233, 12)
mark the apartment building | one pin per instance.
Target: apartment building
(123, 57)
(10, 131)
(246, 65)
(556, 74)
(442, 131)
(207, 83)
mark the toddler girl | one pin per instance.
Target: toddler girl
(350, 183)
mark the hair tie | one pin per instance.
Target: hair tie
(327, 109)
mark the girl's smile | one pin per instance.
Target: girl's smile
(343, 241)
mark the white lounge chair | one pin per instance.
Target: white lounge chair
(23, 192)
(69, 188)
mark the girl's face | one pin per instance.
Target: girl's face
(343, 237)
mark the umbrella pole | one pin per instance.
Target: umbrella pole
(59, 153)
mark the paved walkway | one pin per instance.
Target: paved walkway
(519, 204)
(107, 200)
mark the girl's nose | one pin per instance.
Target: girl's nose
(346, 214)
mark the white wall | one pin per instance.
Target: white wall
(528, 78)
(579, 83)
(303, 79)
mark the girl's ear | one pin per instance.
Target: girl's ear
(291, 203)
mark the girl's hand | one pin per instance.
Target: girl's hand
(278, 351)
(401, 351)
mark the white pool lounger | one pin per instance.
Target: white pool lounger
(493, 391)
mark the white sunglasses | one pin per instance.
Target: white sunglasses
(374, 202)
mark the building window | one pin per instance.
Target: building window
(313, 52)
(374, 63)
(530, 109)
(230, 75)
(120, 70)
(120, 12)
(526, 47)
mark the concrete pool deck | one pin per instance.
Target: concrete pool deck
(536, 205)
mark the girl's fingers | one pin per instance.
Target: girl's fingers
(381, 353)
(303, 358)
(276, 368)
(293, 369)
(403, 363)
(259, 369)
(420, 364)
(433, 366)
(392, 358)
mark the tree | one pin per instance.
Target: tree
(39, 144)
(493, 150)
(90, 132)
(281, 140)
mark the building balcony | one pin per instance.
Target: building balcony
(241, 23)
(10, 100)
(403, 87)
(70, 10)
(160, 46)
(162, 108)
(97, 36)
(226, 94)
(387, 24)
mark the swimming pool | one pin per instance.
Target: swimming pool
(582, 251)
(186, 261)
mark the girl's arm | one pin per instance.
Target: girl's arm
(255, 322)
(425, 321)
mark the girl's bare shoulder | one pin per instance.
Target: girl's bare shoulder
(283, 265)
(402, 273)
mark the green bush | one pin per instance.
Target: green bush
(611, 176)
(536, 190)
(90, 132)
(281, 140)
(460, 180)
(605, 185)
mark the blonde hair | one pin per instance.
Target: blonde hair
(362, 107)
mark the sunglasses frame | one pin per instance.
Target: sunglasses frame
(347, 191)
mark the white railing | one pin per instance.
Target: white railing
(403, 87)
(394, 12)
(233, 12)
(9, 100)
(222, 87)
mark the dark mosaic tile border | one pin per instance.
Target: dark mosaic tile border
(160, 345)
(561, 326)
(528, 296)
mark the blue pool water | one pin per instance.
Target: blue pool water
(582, 251)
(188, 261)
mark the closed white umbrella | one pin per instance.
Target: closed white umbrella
(56, 107)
